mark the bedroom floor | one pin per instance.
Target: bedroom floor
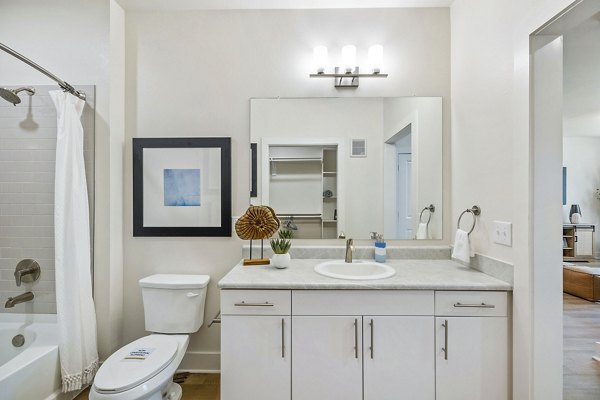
(581, 330)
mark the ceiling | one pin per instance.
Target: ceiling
(274, 4)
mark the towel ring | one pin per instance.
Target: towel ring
(431, 209)
(475, 210)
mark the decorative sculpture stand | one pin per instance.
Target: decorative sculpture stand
(257, 223)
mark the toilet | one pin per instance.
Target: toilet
(144, 368)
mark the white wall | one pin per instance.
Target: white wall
(581, 156)
(71, 40)
(192, 74)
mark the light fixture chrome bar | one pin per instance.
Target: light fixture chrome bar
(347, 79)
(350, 75)
(63, 85)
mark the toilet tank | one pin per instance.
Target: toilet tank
(174, 303)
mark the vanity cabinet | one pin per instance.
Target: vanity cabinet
(327, 360)
(364, 345)
(399, 360)
(256, 342)
(472, 346)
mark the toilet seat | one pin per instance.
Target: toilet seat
(136, 363)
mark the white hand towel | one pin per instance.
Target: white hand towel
(422, 231)
(462, 247)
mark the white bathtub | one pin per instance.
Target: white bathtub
(30, 372)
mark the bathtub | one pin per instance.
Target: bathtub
(32, 371)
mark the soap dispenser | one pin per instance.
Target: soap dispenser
(380, 251)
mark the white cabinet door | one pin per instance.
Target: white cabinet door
(399, 359)
(327, 358)
(255, 357)
(472, 358)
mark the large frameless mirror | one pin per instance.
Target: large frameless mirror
(349, 167)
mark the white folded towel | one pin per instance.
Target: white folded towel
(422, 231)
(462, 247)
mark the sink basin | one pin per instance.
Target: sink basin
(357, 270)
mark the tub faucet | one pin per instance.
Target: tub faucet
(349, 250)
(22, 298)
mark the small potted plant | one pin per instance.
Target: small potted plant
(281, 258)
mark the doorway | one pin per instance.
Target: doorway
(555, 234)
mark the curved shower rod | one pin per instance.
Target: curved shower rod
(64, 85)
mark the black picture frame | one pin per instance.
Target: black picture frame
(253, 170)
(139, 144)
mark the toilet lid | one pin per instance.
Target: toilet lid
(135, 363)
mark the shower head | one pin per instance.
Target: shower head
(11, 95)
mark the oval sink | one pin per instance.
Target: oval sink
(357, 270)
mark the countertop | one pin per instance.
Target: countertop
(410, 274)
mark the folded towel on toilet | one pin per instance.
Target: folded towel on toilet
(462, 250)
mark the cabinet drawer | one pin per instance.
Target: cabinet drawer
(471, 303)
(256, 302)
(362, 302)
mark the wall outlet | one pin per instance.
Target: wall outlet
(503, 233)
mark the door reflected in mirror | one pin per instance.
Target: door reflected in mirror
(349, 167)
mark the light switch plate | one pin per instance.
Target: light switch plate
(503, 233)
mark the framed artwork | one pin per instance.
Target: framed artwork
(182, 186)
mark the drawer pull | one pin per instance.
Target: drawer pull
(482, 305)
(244, 304)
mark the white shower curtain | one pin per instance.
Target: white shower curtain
(75, 306)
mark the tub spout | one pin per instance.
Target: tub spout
(12, 301)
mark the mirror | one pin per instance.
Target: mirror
(348, 167)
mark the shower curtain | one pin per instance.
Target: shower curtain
(75, 307)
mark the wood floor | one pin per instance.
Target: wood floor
(195, 387)
(581, 373)
(581, 330)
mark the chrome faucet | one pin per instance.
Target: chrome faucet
(22, 298)
(349, 250)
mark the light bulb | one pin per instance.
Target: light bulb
(320, 58)
(376, 58)
(349, 58)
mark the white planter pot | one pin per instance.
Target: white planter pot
(281, 260)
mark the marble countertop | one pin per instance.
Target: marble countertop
(410, 274)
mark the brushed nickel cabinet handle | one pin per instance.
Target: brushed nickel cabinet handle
(445, 348)
(372, 324)
(482, 305)
(282, 337)
(355, 338)
(244, 304)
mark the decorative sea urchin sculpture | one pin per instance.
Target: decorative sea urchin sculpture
(258, 222)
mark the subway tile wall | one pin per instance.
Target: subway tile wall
(27, 161)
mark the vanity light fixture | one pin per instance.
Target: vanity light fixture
(347, 75)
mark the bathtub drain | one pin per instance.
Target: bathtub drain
(18, 340)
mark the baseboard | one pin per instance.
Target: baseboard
(201, 362)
